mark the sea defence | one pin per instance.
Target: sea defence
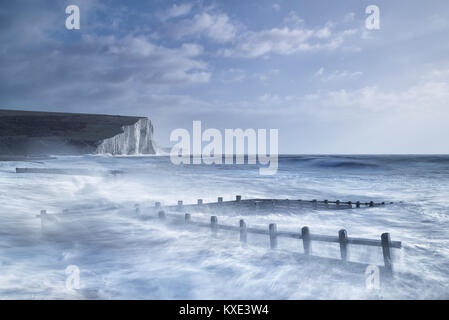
(56, 133)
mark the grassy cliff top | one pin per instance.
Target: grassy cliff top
(76, 126)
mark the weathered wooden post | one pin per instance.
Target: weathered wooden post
(187, 218)
(350, 204)
(337, 203)
(386, 244)
(371, 203)
(357, 204)
(220, 199)
(273, 235)
(243, 231)
(315, 203)
(161, 214)
(305, 235)
(214, 225)
(200, 202)
(238, 198)
(179, 205)
(343, 238)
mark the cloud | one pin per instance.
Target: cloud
(293, 20)
(286, 41)
(276, 7)
(176, 11)
(427, 97)
(349, 17)
(292, 38)
(337, 75)
(216, 27)
(91, 70)
(239, 75)
(319, 72)
(424, 97)
(98, 71)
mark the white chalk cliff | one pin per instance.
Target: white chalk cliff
(59, 133)
(135, 139)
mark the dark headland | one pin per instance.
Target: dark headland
(55, 133)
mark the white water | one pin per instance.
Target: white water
(136, 139)
(120, 256)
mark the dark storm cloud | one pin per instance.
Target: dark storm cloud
(43, 64)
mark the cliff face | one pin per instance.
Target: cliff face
(135, 139)
(37, 133)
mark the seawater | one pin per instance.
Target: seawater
(122, 256)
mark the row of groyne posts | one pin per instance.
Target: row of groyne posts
(279, 203)
(305, 235)
(272, 231)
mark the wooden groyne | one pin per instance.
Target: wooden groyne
(306, 237)
(271, 204)
(304, 234)
(68, 171)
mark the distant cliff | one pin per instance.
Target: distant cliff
(37, 133)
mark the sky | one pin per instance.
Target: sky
(310, 69)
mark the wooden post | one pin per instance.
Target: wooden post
(220, 199)
(238, 198)
(273, 235)
(315, 203)
(338, 202)
(350, 204)
(161, 214)
(305, 235)
(326, 202)
(357, 204)
(187, 218)
(386, 243)
(179, 205)
(214, 225)
(371, 203)
(200, 201)
(343, 238)
(243, 232)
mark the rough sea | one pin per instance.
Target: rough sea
(120, 255)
